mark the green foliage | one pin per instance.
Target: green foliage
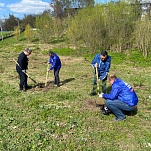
(16, 32)
(44, 25)
(142, 36)
(118, 58)
(28, 32)
(66, 118)
(138, 59)
(109, 26)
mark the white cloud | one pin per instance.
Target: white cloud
(2, 4)
(29, 6)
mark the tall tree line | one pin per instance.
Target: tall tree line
(115, 26)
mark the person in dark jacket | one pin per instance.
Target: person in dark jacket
(121, 98)
(21, 68)
(56, 66)
(102, 62)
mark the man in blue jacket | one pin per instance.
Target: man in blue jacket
(56, 66)
(21, 68)
(102, 62)
(121, 98)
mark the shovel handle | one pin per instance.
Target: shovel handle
(97, 79)
(47, 75)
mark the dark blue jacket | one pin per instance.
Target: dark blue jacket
(103, 67)
(55, 62)
(22, 61)
(122, 91)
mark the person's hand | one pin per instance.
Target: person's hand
(24, 71)
(101, 95)
(96, 65)
(48, 70)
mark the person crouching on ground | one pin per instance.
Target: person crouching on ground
(56, 66)
(121, 98)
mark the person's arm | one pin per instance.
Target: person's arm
(94, 61)
(53, 63)
(112, 95)
(107, 68)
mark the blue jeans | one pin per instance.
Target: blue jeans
(56, 77)
(117, 106)
(102, 84)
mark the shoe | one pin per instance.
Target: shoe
(28, 87)
(61, 83)
(119, 119)
(22, 90)
(93, 93)
(55, 85)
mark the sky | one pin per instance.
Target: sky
(19, 8)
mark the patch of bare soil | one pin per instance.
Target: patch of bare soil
(68, 60)
(93, 104)
(42, 87)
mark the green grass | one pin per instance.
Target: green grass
(66, 118)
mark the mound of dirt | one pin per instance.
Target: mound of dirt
(94, 103)
(42, 87)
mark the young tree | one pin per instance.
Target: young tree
(44, 25)
(16, 32)
(59, 27)
(107, 26)
(28, 32)
(142, 36)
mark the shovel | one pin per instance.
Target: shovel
(25, 72)
(97, 80)
(47, 75)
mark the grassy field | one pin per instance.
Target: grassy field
(5, 34)
(66, 118)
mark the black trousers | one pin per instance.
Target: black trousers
(23, 80)
(56, 77)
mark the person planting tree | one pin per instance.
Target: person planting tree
(101, 63)
(122, 98)
(55, 62)
(21, 67)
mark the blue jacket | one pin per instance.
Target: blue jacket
(122, 91)
(55, 62)
(103, 67)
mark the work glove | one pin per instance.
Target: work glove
(24, 71)
(96, 65)
(101, 95)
